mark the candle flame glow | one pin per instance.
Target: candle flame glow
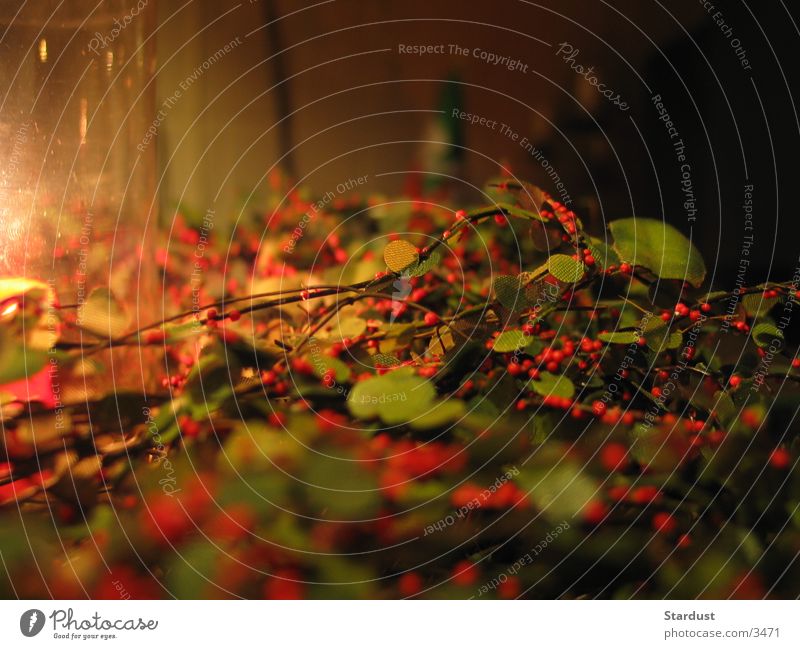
(9, 309)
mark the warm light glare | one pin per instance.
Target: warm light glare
(43, 50)
(9, 309)
(83, 119)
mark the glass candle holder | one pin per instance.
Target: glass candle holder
(77, 170)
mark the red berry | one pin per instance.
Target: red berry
(611, 417)
(751, 417)
(409, 584)
(735, 381)
(599, 408)
(780, 459)
(233, 524)
(645, 495)
(716, 437)
(155, 337)
(277, 419)
(664, 523)
(165, 519)
(284, 585)
(510, 588)
(211, 314)
(594, 512)
(189, 427)
(431, 319)
(625, 269)
(465, 573)
(614, 456)
(234, 315)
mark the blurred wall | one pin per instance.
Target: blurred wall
(322, 90)
(351, 96)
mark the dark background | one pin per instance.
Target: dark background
(345, 109)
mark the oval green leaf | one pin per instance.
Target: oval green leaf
(659, 247)
(565, 269)
(510, 341)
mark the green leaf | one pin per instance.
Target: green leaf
(18, 360)
(321, 365)
(508, 291)
(604, 255)
(174, 333)
(553, 385)
(443, 413)
(363, 398)
(764, 333)
(619, 337)
(186, 579)
(510, 341)
(713, 296)
(384, 360)
(399, 255)
(339, 488)
(396, 335)
(561, 491)
(659, 337)
(566, 269)
(424, 266)
(725, 408)
(756, 304)
(658, 247)
(396, 397)
(348, 328)
(211, 382)
(102, 314)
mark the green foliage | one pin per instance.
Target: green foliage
(553, 385)
(764, 333)
(619, 337)
(367, 424)
(396, 397)
(510, 341)
(658, 247)
(565, 269)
